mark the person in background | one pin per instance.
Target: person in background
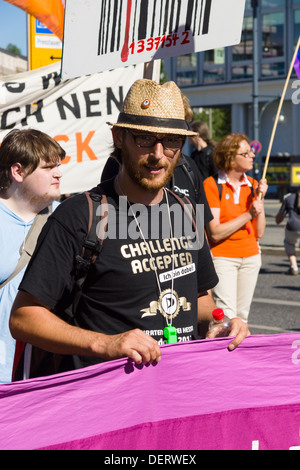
(291, 207)
(29, 183)
(204, 148)
(131, 300)
(239, 221)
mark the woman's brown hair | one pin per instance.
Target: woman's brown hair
(226, 151)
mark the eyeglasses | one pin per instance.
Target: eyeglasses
(169, 142)
(247, 154)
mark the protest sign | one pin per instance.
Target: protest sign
(73, 112)
(105, 34)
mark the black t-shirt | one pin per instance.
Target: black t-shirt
(205, 162)
(186, 180)
(121, 291)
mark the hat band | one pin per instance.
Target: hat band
(150, 121)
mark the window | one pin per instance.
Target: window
(272, 70)
(296, 26)
(273, 35)
(186, 78)
(248, 7)
(272, 3)
(214, 70)
(243, 50)
(186, 69)
(188, 60)
(242, 72)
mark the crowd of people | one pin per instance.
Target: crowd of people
(154, 284)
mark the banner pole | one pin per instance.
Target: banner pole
(152, 70)
(279, 111)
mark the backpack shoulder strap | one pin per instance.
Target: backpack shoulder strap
(97, 226)
(187, 206)
(219, 185)
(27, 248)
(190, 174)
(91, 246)
(251, 181)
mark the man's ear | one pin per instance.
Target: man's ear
(117, 134)
(17, 172)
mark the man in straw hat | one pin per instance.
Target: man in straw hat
(149, 284)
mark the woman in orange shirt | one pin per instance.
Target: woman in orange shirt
(239, 221)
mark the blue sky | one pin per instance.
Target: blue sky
(13, 27)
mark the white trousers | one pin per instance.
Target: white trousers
(237, 281)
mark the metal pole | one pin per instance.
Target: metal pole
(254, 4)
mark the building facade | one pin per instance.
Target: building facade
(11, 63)
(224, 77)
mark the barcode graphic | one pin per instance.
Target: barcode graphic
(123, 22)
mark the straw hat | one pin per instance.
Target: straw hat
(151, 107)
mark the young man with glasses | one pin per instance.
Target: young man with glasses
(238, 223)
(149, 284)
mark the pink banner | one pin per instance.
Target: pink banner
(200, 396)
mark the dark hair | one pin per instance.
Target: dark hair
(227, 149)
(202, 129)
(27, 147)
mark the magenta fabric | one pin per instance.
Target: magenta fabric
(200, 396)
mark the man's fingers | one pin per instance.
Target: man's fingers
(240, 330)
(136, 345)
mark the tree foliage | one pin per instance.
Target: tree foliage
(14, 49)
(218, 118)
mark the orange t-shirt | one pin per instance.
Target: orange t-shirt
(243, 242)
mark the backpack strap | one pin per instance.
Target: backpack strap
(97, 226)
(190, 174)
(92, 244)
(220, 185)
(27, 248)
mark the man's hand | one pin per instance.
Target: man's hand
(240, 330)
(135, 344)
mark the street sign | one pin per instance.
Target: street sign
(255, 146)
(107, 34)
(45, 47)
(295, 175)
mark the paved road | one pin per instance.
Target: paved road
(276, 305)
